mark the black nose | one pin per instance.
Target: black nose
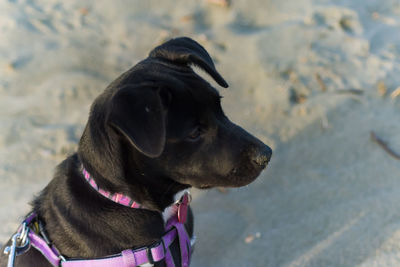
(261, 156)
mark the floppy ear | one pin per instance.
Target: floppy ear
(137, 112)
(184, 50)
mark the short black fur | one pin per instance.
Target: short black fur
(156, 130)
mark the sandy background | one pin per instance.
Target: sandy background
(310, 78)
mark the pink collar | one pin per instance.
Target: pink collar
(117, 197)
(179, 208)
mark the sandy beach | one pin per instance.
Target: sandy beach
(318, 81)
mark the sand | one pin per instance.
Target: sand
(310, 78)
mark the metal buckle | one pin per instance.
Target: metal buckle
(19, 245)
(186, 192)
(62, 258)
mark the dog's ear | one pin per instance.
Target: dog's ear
(184, 50)
(139, 114)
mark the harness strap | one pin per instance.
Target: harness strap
(127, 258)
(184, 244)
(169, 260)
(41, 245)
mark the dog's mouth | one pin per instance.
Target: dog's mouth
(237, 177)
(244, 175)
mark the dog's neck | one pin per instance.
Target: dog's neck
(120, 175)
(157, 194)
(127, 201)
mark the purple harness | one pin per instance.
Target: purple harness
(28, 235)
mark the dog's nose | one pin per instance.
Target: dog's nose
(262, 156)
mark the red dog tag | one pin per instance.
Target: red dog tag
(183, 208)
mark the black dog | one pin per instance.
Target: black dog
(156, 130)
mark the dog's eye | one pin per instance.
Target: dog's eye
(195, 134)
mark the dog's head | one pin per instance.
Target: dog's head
(161, 122)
